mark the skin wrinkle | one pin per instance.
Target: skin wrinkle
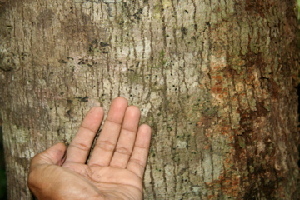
(78, 178)
(88, 170)
(119, 124)
(135, 161)
(124, 151)
(80, 146)
(105, 145)
(87, 128)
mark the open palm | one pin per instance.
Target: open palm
(114, 169)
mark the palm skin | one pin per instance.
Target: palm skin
(114, 169)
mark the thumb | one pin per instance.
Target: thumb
(53, 155)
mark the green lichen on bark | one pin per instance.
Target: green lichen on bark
(214, 79)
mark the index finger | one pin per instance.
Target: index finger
(80, 146)
(106, 143)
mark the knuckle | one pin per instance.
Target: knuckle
(124, 150)
(138, 163)
(80, 145)
(106, 145)
(87, 130)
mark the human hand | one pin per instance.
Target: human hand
(115, 168)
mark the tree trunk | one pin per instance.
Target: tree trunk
(216, 80)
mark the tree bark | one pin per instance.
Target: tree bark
(216, 80)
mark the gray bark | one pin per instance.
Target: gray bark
(216, 80)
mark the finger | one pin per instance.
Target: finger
(80, 146)
(138, 160)
(127, 138)
(106, 143)
(53, 155)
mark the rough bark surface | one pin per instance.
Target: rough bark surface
(216, 79)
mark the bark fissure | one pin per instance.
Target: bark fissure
(215, 79)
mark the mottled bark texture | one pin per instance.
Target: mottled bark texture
(216, 79)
